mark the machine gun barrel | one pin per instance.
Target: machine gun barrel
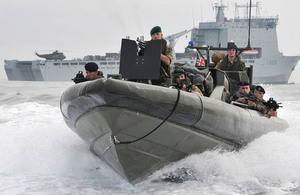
(141, 45)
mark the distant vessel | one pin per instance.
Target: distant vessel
(59, 69)
(270, 66)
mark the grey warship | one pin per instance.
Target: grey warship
(270, 66)
(55, 68)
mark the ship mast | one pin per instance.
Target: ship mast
(248, 46)
(220, 16)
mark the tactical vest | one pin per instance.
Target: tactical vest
(236, 64)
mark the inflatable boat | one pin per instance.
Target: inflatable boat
(138, 128)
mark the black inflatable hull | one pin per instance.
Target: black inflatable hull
(106, 108)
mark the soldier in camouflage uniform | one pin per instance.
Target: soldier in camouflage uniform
(166, 58)
(231, 62)
(258, 104)
(183, 83)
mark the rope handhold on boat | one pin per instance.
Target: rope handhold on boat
(113, 139)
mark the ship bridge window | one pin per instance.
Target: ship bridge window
(111, 63)
(82, 63)
(103, 63)
(74, 63)
(56, 63)
(65, 63)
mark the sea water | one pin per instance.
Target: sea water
(41, 155)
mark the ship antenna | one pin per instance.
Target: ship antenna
(248, 46)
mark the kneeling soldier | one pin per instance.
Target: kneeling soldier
(259, 103)
(183, 83)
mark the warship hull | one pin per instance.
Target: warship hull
(115, 119)
(276, 72)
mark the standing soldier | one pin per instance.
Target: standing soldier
(166, 58)
(231, 62)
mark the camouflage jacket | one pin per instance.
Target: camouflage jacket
(259, 106)
(165, 69)
(226, 65)
(196, 89)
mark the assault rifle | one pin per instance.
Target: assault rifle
(185, 82)
(272, 104)
(251, 97)
(79, 77)
(248, 97)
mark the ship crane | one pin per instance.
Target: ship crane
(172, 39)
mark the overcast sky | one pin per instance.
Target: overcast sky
(94, 27)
